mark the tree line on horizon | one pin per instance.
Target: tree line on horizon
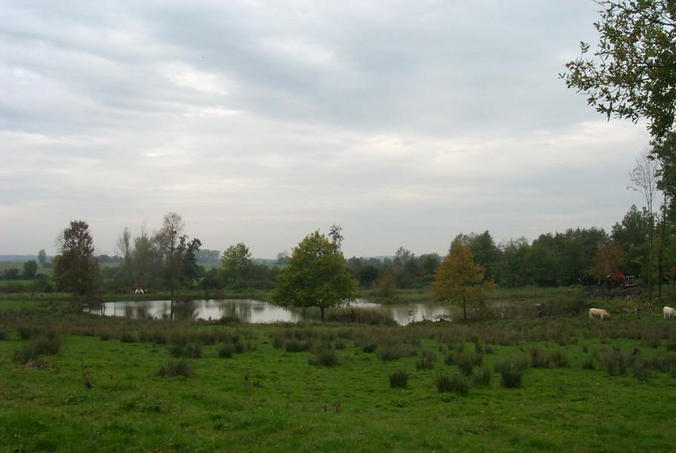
(167, 260)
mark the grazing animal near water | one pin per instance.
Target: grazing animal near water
(668, 312)
(598, 313)
(139, 291)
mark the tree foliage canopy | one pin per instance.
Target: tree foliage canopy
(459, 279)
(316, 276)
(632, 73)
(75, 269)
(236, 264)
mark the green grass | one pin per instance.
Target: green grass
(108, 395)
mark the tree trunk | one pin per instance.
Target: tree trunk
(650, 259)
(660, 257)
(322, 310)
(464, 309)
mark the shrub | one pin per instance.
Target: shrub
(47, 344)
(426, 361)
(484, 377)
(296, 346)
(511, 372)
(370, 347)
(399, 379)
(559, 359)
(241, 347)
(589, 363)
(457, 384)
(325, 357)
(478, 347)
(190, 350)
(25, 354)
(466, 362)
(539, 359)
(25, 333)
(390, 353)
(175, 368)
(159, 338)
(127, 337)
(640, 370)
(616, 362)
(193, 351)
(671, 345)
(226, 351)
(176, 350)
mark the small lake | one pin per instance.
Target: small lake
(256, 311)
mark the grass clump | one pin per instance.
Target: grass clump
(175, 368)
(588, 363)
(483, 378)
(390, 352)
(616, 362)
(226, 351)
(296, 346)
(399, 379)
(511, 371)
(466, 361)
(44, 344)
(325, 357)
(369, 347)
(189, 350)
(128, 337)
(539, 358)
(457, 384)
(25, 354)
(559, 359)
(426, 361)
(641, 370)
(49, 344)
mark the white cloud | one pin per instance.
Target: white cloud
(406, 122)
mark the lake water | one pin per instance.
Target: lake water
(255, 311)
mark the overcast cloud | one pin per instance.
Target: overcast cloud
(405, 122)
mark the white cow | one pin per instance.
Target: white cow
(668, 312)
(598, 313)
(138, 291)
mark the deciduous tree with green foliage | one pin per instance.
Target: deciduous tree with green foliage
(459, 279)
(42, 257)
(235, 265)
(30, 269)
(316, 276)
(632, 72)
(177, 253)
(75, 269)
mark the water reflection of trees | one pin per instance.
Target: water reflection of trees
(237, 309)
(184, 310)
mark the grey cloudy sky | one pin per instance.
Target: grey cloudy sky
(407, 122)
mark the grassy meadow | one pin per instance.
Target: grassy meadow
(75, 382)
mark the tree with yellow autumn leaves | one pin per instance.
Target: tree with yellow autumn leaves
(459, 280)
